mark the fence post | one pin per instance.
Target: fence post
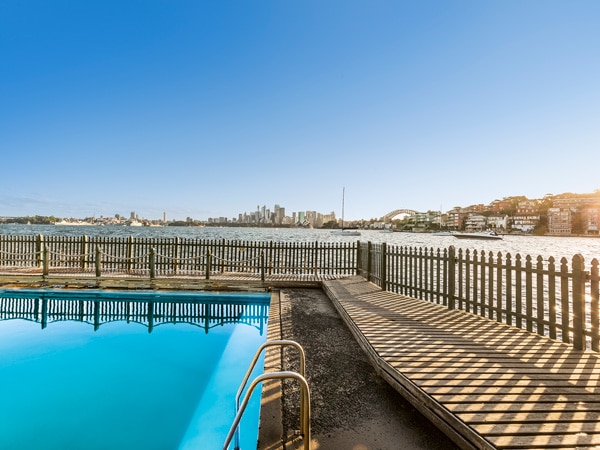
(129, 254)
(98, 263)
(358, 258)
(369, 248)
(594, 293)
(451, 277)
(271, 257)
(383, 274)
(84, 250)
(262, 265)
(39, 249)
(152, 263)
(208, 264)
(45, 261)
(316, 258)
(579, 276)
(223, 241)
(176, 255)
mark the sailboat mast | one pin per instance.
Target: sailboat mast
(343, 193)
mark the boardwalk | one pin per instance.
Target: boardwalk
(485, 384)
(218, 281)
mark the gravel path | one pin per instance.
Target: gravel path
(352, 407)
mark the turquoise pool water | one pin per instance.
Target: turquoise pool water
(97, 370)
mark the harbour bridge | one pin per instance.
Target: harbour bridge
(391, 215)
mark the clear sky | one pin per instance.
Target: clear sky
(210, 108)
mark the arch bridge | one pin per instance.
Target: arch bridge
(389, 216)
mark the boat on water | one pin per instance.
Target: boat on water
(444, 233)
(72, 223)
(345, 231)
(478, 235)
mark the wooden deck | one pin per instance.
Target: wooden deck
(217, 281)
(485, 384)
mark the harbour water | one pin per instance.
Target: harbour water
(545, 246)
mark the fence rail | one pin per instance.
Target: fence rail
(557, 299)
(172, 257)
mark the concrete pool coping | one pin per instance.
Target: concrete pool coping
(270, 432)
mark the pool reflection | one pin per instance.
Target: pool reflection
(150, 309)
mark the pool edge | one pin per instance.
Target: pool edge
(270, 431)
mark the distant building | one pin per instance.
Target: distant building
(499, 205)
(565, 201)
(591, 219)
(527, 207)
(497, 222)
(301, 217)
(279, 214)
(329, 217)
(475, 222)
(560, 221)
(525, 223)
(527, 216)
(454, 218)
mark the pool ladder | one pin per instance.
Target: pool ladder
(304, 393)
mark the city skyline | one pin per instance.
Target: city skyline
(202, 108)
(279, 216)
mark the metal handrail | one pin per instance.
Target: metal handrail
(304, 405)
(280, 342)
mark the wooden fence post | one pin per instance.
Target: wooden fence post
(176, 255)
(152, 263)
(129, 254)
(451, 277)
(358, 258)
(83, 252)
(262, 265)
(579, 276)
(594, 310)
(208, 264)
(369, 256)
(223, 241)
(98, 262)
(39, 250)
(383, 275)
(271, 257)
(315, 254)
(45, 261)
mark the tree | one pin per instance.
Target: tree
(330, 224)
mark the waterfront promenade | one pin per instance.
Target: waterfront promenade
(485, 384)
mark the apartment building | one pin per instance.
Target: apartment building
(526, 216)
(560, 221)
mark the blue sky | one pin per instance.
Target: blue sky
(209, 108)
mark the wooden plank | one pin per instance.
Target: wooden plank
(511, 388)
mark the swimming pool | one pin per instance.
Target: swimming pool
(126, 370)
